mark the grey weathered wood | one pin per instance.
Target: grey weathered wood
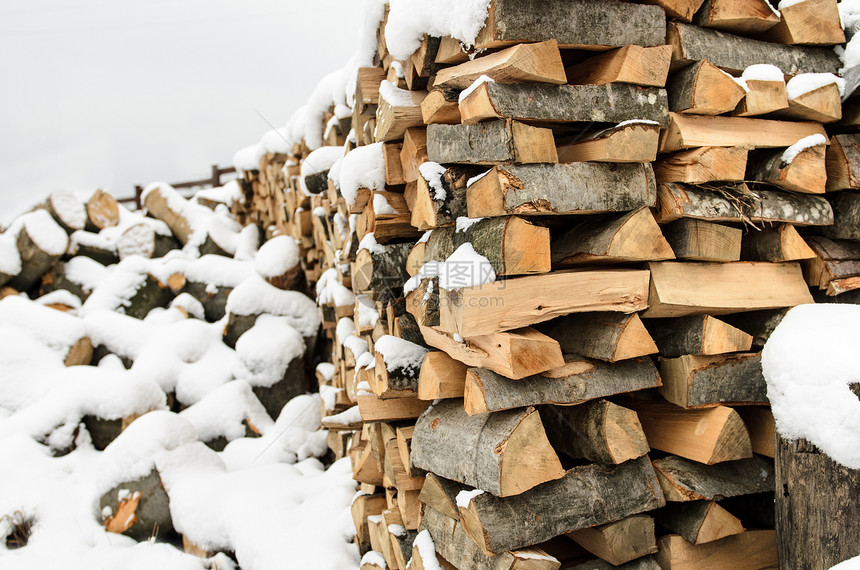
(759, 324)
(736, 53)
(450, 443)
(104, 255)
(738, 204)
(597, 335)
(598, 380)
(35, 261)
(492, 142)
(573, 23)
(580, 187)
(445, 210)
(846, 216)
(686, 480)
(817, 507)
(317, 183)
(585, 496)
(610, 103)
(686, 519)
(454, 545)
(153, 510)
(57, 279)
(382, 271)
(214, 303)
(679, 336)
(717, 380)
(150, 294)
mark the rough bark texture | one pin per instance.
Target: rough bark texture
(430, 210)
(35, 262)
(493, 392)
(573, 23)
(702, 89)
(291, 384)
(702, 381)
(471, 449)
(758, 324)
(843, 162)
(492, 142)
(382, 272)
(685, 480)
(688, 335)
(735, 53)
(817, 507)
(152, 513)
(605, 336)
(691, 521)
(214, 304)
(56, 279)
(846, 214)
(151, 294)
(585, 496)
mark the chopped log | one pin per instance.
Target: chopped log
(631, 141)
(687, 131)
(523, 301)
(834, 265)
(454, 545)
(138, 508)
(599, 431)
(709, 436)
(367, 87)
(740, 204)
(809, 22)
(685, 480)
(505, 453)
(440, 494)
(362, 507)
(735, 53)
(697, 335)
(544, 189)
(760, 424)
(397, 111)
(393, 167)
(680, 9)
(427, 559)
(843, 162)
(816, 506)
(578, 381)
(679, 289)
(102, 211)
(440, 196)
(387, 217)
(747, 550)
(585, 496)
(758, 324)
(573, 23)
(513, 354)
(441, 106)
(145, 240)
(775, 244)
(67, 210)
(634, 236)
(762, 97)
(846, 213)
(610, 103)
(382, 270)
(164, 203)
(823, 104)
(441, 377)
(149, 294)
(398, 363)
(646, 66)
(495, 142)
(703, 89)
(693, 381)
(40, 242)
(698, 240)
(410, 508)
(619, 542)
(396, 472)
(605, 336)
(374, 409)
(538, 63)
(737, 16)
(698, 522)
(804, 173)
(367, 467)
(94, 246)
(414, 152)
(703, 164)
(512, 245)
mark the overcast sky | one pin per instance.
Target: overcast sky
(109, 93)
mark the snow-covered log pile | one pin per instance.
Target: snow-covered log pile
(156, 382)
(549, 242)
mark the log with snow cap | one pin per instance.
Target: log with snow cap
(40, 242)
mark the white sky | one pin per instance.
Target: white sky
(116, 92)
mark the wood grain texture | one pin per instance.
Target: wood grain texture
(703, 381)
(685, 480)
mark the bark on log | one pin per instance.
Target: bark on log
(382, 272)
(646, 66)
(432, 208)
(703, 89)
(697, 240)
(843, 162)
(685, 480)
(698, 522)
(846, 217)
(41, 242)
(750, 549)
(758, 324)
(605, 336)
(494, 142)
(697, 335)
(705, 381)
(292, 383)
(522, 63)
(576, 382)
(142, 512)
(619, 542)
(736, 16)
(805, 173)
(776, 245)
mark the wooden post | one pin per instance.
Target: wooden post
(138, 191)
(817, 507)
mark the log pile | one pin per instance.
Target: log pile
(546, 269)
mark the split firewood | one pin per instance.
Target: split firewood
(758, 324)
(726, 203)
(709, 436)
(505, 453)
(524, 301)
(393, 167)
(681, 9)
(138, 508)
(414, 151)
(634, 236)
(750, 549)
(575, 24)
(362, 507)
(513, 354)
(441, 106)
(646, 66)
(522, 63)
(735, 53)
(102, 211)
(703, 164)
(367, 468)
(685, 480)
(598, 431)
(610, 337)
(775, 244)
(687, 131)
(381, 270)
(698, 522)
(576, 382)
(763, 96)
(697, 240)
(843, 162)
(761, 427)
(367, 88)
(424, 558)
(396, 472)
(619, 542)
(737, 16)
(494, 142)
(705, 381)
(67, 210)
(697, 335)
(387, 217)
(40, 242)
(835, 266)
(799, 169)
(440, 196)
(577, 188)
(398, 110)
(375, 409)
(610, 103)
(808, 22)
(846, 213)
(703, 89)
(813, 99)
(630, 141)
(398, 362)
(441, 377)
(498, 524)
(440, 494)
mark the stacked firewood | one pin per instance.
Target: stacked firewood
(547, 264)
